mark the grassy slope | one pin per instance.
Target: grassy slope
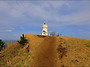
(67, 52)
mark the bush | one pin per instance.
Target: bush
(2, 44)
(52, 33)
(87, 44)
(58, 34)
(23, 40)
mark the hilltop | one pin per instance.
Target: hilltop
(43, 51)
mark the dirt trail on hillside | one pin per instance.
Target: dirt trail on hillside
(46, 54)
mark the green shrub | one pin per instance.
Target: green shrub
(87, 44)
(75, 60)
(2, 44)
(23, 40)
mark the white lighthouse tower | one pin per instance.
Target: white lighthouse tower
(44, 29)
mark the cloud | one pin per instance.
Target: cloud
(27, 14)
(52, 9)
(21, 27)
(83, 32)
(9, 31)
(17, 12)
(6, 31)
(80, 18)
(19, 8)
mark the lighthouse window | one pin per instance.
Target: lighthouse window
(44, 32)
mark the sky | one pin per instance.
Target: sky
(69, 17)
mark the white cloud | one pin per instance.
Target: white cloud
(80, 18)
(84, 32)
(20, 9)
(19, 14)
(6, 31)
(9, 31)
(21, 27)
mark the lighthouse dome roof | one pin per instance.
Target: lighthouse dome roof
(44, 25)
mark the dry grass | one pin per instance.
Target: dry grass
(47, 50)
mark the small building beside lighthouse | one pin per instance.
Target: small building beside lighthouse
(44, 29)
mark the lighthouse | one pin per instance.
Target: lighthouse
(44, 29)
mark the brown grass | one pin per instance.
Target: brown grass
(47, 51)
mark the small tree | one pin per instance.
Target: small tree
(52, 33)
(23, 40)
(58, 34)
(2, 44)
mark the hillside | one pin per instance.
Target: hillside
(47, 51)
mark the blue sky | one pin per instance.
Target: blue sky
(70, 18)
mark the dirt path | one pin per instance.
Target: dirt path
(46, 54)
